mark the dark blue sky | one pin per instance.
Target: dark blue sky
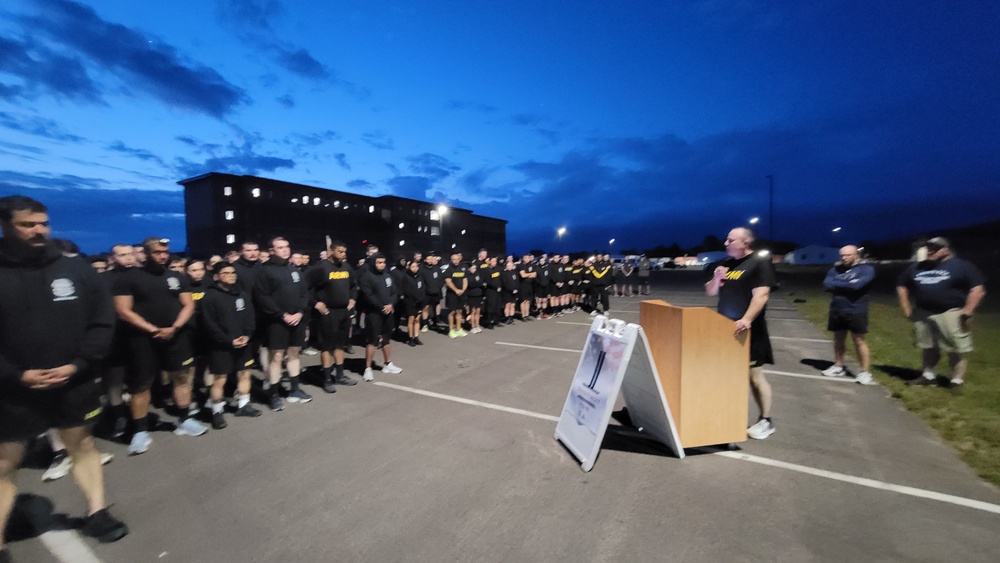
(647, 122)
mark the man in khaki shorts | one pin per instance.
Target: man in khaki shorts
(940, 295)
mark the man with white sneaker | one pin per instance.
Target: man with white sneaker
(377, 296)
(849, 281)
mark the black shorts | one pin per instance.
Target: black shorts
(541, 291)
(857, 323)
(525, 292)
(509, 297)
(760, 344)
(333, 329)
(149, 357)
(118, 355)
(455, 302)
(410, 308)
(279, 336)
(228, 361)
(432, 300)
(475, 301)
(378, 328)
(26, 413)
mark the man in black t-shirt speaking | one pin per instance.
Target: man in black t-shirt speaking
(743, 283)
(940, 295)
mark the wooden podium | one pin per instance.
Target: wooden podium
(703, 369)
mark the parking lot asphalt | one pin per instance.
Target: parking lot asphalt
(454, 460)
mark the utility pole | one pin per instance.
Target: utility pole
(770, 212)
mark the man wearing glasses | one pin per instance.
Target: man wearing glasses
(940, 295)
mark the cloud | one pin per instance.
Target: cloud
(412, 187)
(457, 105)
(287, 101)
(136, 59)
(434, 166)
(341, 159)
(141, 154)
(378, 140)
(37, 126)
(360, 184)
(39, 70)
(250, 19)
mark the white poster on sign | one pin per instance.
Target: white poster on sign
(606, 364)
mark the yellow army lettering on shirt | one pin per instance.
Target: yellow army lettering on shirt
(197, 296)
(600, 273)
(495, 275)
(734, 275)
(339, 275)
(458, 274)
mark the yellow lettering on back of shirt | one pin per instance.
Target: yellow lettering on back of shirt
(339, 275)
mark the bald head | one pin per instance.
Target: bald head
(738, 242)
(850, 255)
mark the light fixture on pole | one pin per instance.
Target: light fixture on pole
(754, 220)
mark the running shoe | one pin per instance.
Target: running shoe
(835, 371)
(219, 421)
(391, 368)
(139, 444)
(865, 378)
(762, 429)
(345, 380)
(59, 468)
(248, 410)
(299, 396)
(104, 527)
(190, 427)
(369, 375)
(277, 404)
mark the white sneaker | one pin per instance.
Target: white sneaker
(761, 430)
(60, 467)
(139, 444)
(593, 313)
(835, 371)
(368, 376)
(391, 368)
(106, 458)
(310, 351)
(865, 378)
(190, 427)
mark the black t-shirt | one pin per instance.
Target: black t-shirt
(155, 296)
(528, 268)
(938, 287)
(744, 275)
(456, 274)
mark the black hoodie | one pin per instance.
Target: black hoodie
(377, 289)
(279, 289)
(226, 315)
(333, 283)
(53, 311)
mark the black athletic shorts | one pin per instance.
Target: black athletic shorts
(410, 308)
(378, 328)
(333, 329)
(149, 357)
(760, 344)
(475, 301)
(525, 292)
(509, 297)
(228, 361)
(279, 336)
(26, 413)
(118, 355)
(454, 302)
(857, 323)
(541, 291)
(432, 300)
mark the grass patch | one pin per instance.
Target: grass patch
(969, 420)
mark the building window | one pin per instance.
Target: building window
(401, 225)
(435, 232)
(305, 200)
(230, 239)
(434, 215)
(227, 191)
(255, 192)
(295, 200)
(463, 231)
(402, 242)
(371, 209)
(230, 214)
(336, 203)
(315, 201)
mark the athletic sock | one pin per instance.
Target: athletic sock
(295, 382)
(218, 407)
(327, 372)
(340, 370)
(140, 424)
(242, 400)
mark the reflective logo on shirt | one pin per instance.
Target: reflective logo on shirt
(173, 283)
(388, 281)
(734, 274)
(197, 296)
(458, 274)
(240, 304)
(932, 277)
(295, 277)
(63, 290)
(339, 275)
(420, 284)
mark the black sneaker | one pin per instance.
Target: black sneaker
(417, 341)
(104, 527)
(277, 404)
(248, 410)
(921, 380)
(411, 343)
(218, 421)
(118, 428)
(344, 380)
(299, 396)
(5, 556)
(329, 387)
(349, 350)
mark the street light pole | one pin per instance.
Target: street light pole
(770, 212)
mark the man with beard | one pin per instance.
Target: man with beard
(433, 282)
(378, 295)
(940, 295)
(56, 321)
(333, 288)
(455, 279)
(281, 297)
(743, 283)
(156, 303)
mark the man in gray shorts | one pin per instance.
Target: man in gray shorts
(940, 295)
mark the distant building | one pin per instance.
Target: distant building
(813, 254)
(223, 210)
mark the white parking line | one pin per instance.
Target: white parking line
(569, 323)
(832, 475)
(68, 547)
(823, 340)
(839, 378)
(539, 347)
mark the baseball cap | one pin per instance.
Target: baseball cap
(938, 242)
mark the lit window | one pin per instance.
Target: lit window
(305, 200)
(453, 245)
(336, 203)
(463, 231)
(435, 232)
(371, 209)
(228, 190)
(295, 200)
(230, 214)
(315, 201)
(255, 192)
(434, 215)
(402, 242)
(230, 239)
(401, 225)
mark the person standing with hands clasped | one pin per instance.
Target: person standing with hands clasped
(743, 283)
